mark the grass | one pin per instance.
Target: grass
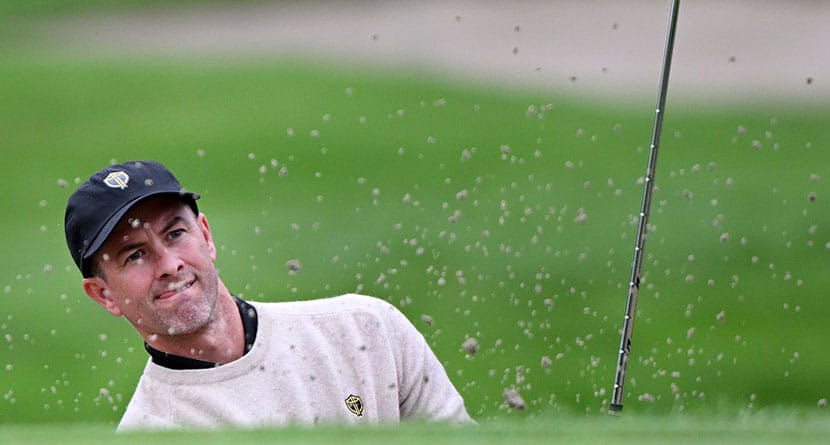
(457, 202)
(15, 10)
(754, 429)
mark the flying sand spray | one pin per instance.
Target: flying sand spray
(634, 285)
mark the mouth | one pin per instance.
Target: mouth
(175, 288)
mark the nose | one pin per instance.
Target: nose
(168, 262)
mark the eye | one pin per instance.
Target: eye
(135, 256)
(176, 233)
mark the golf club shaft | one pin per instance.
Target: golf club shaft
(642, 228)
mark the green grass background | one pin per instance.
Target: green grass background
(455, 201)
(755, 429)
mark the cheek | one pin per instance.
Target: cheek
(209, 250)
(205, 252)
(132, 285)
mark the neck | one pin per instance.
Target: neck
(221, 340)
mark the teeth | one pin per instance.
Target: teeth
(177, 286)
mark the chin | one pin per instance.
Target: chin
(190, 319)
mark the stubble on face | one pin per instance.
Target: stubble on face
(189, 317)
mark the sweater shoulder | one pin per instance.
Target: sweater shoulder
(328, 306)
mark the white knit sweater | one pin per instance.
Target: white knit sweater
(349, 359)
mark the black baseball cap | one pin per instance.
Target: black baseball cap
(96, 207)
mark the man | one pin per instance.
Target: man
(147, 254)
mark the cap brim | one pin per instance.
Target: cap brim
(113, 221)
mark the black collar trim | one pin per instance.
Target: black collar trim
(249, 325)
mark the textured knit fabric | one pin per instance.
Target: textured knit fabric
(349, 359)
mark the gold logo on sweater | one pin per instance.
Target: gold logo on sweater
(355, 405)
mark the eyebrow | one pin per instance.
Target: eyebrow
(176, 219)
(127, 247)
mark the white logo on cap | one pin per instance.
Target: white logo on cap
(117, 180)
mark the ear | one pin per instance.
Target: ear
(98, 290)
(205, 228)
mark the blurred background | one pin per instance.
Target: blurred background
(478, 164)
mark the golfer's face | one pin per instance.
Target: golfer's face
(158, 269)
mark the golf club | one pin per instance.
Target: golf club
(634, 284)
